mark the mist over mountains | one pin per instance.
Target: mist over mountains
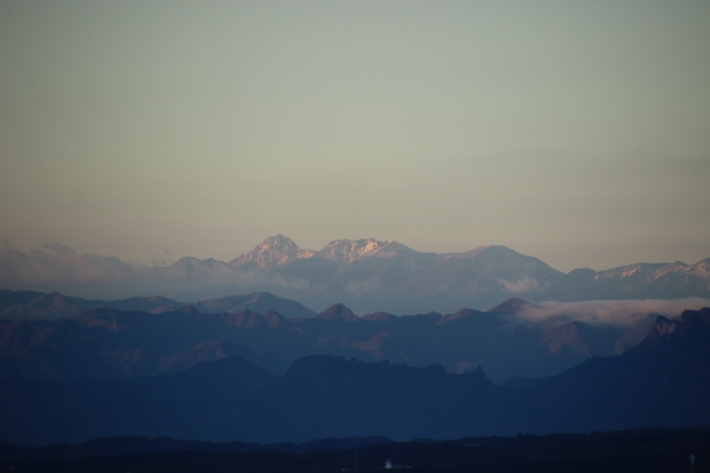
(49, 335)
(211, 350)
(216, 369)
(366, 275)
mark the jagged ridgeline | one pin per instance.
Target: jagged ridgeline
(367, 275)
(59, 337)
(664, 380)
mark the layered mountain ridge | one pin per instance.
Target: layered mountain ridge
(72, 337)
(33, 305)
(367, 275)
(664, 380)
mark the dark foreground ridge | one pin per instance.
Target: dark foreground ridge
(644, 450)
(663, 381)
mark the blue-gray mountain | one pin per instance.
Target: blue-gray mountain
(103, 339)
(665, 380)
(38, 305)
(366, 275)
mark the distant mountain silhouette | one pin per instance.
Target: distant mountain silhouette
(367, 275)
(259, 302)
(36, 305)
(105, 342)
(338, 312)
(53, 305)
(512, 306)
(642, 281)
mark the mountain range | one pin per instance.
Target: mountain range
(57, 337)
(664, 380)
(258, 365)
(38, 305)
(367, 275)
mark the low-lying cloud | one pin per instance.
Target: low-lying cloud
(619, 313)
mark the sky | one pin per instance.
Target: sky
(574, 131)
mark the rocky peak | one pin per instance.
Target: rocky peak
(278, 243)
(338, 312)
(663, 326)
(272, 252)
(696, 318)
(701, 269)
(346, 251)
(187, 309)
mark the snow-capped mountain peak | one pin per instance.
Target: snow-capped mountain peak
(346, 251)
(272, 252)
(278, 243)
(279, 250)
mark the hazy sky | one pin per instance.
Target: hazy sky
(576, 132)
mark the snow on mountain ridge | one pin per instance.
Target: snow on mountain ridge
(279, 250)
(637, 270)
(274, 251)
(701, 269)
(676, 267)
(490, 268)
(510, 271)
(653, 271)
(346, 251)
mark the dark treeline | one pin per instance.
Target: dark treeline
(643, 450)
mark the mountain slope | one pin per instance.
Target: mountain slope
(367, 275)
(665, 381)
(323, 396)
(169, 405)
(642, 281)
(105, 342)
(36, 305)
(259, 302)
